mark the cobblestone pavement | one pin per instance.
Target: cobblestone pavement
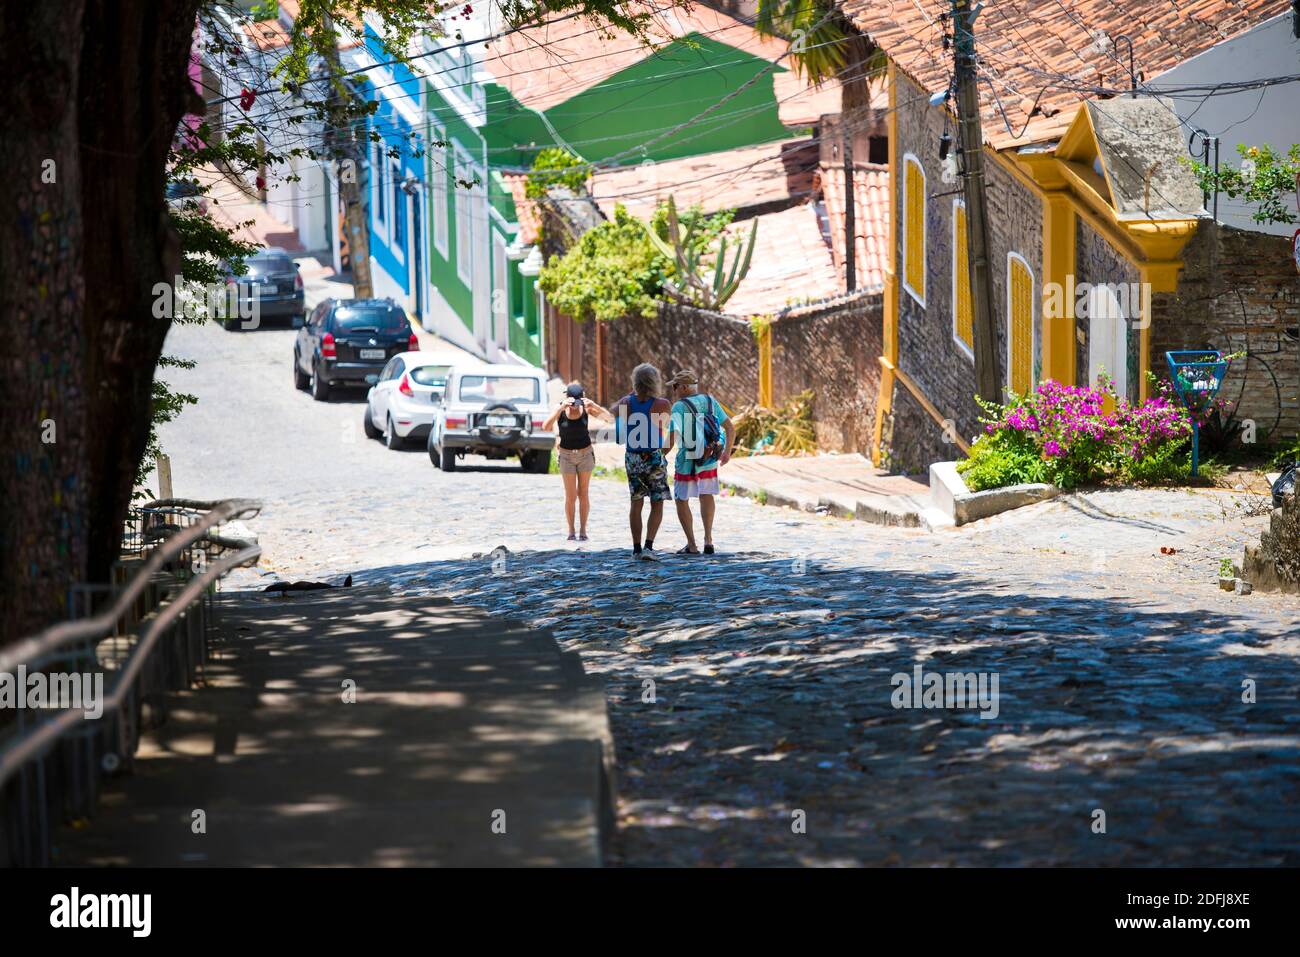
(751, 693)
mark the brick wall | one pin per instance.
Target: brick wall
(834, 350)
(720, 350)
(831, 348)
(1239, 291)
(927, 350)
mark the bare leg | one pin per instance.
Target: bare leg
(570, 497)
(684, 516)
(584, 501)
(656, 516)
(634, 520)
(708, 505)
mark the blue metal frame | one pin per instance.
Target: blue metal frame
(1197, 375)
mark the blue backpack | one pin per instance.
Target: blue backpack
(711, 430)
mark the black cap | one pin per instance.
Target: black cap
(575, 391)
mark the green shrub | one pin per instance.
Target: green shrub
(614, 270)
(1065, 435)
(1002, 458)
(555, 166)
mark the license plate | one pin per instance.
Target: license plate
(372, 353)
(502, 421)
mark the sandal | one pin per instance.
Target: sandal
(686, 550)
(708, 549)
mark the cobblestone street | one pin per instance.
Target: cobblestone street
(750, 693)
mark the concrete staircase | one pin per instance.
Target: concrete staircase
(472, 741)
(845, 485)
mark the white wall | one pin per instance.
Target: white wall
(1253, 117)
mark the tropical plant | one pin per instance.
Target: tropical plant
(689, 254)
(787, 430)
(824, 45)
(611, 272)
(1071, 435)
(615, 270)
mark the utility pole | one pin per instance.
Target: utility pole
(972, 155)
(850, 216)
(346, 153)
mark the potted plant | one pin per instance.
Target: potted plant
(1227, 574)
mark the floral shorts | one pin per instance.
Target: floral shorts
(647, 475)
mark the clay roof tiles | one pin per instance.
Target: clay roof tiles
(1043, 57)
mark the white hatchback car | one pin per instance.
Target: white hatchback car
(492, 410)
(403, 398)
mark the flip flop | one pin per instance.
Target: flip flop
(708, 549)
(686, 550)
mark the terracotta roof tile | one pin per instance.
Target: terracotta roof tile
(871, 220)
(526, 214)
(791, 263)
(1051, 51)
(731, 179)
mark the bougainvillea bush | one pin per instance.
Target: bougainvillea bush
(1065, 435)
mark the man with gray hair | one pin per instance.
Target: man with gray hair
(639, 418)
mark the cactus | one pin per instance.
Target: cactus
(691, 287)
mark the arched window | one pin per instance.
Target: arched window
(914, 227)
(1020, 324)
(962, 307)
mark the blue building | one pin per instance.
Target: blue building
(395, 177)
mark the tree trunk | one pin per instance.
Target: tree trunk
(97, 88)
(43, 475)
(862, 62)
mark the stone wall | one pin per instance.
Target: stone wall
(720, 349)
(1274, 564)
(1239, 291)
(834, 350)
(927, 350)
(832, 347)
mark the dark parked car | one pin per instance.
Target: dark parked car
(271, 289)
(345, 340)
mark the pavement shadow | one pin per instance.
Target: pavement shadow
(752, 700)
(455, 720)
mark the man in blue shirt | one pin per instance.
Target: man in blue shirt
(695, 473)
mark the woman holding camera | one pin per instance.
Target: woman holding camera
(576, 454)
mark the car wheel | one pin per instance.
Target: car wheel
(448, 463)
(368, 425)
(538, 461)
(391, 439)
(300, 380)
(320, 389)
(230, 325)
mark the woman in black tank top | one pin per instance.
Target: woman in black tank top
(576, 455)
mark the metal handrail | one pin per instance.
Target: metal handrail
(47, 641)
(163, 612)
(43, 735)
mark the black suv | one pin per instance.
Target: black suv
(345, 340)
(272, 286)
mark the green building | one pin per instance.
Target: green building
(608, 99)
